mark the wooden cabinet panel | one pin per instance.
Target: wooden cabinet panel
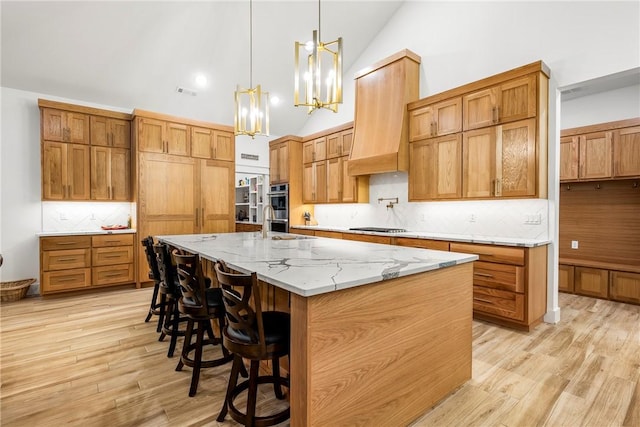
(112, 275)
(65, 242)
(490, 253)
(108, 240)
(65, 171)
(338, 144)
(624, 286)
(178, 139)
(565, 278)
(111, 255)
(314, 182)
(334, 180)
(591, 282)
(302, 231)
(516, 159)
(509, 101)
(329, 234)
(65, 280)
(370, 238)
(436, 168)
(65, 126)
(626, 152)
(569, 158)
(279, 163)
(109, 132)
(596, 155)
(159, 136)
(212, 144)
(438, 245)
(66, 259)
(499, 276)
(504, 304)
(110, 173)
(315, 150)
(439, 119)
(479, 162)
(216, 197)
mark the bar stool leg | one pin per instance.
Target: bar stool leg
(185, 346)
(275, 362)
(175, 324)
(233, 380)
(252, 392)
(197, 359)
(153, 306)
(162, 314)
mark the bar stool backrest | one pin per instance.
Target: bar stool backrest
(154, 272)
(166, 269)
(191, 279)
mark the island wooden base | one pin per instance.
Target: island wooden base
(380, 354)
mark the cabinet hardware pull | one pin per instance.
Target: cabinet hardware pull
(113, 275)
(66, 243)
(494, 112)
(66, 259)
(111, 256)
(68, 279)
(493, 187)
(499, 187)
(482, 274)
(483, 300)
(197, 222)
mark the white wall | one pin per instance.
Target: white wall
(619, 104)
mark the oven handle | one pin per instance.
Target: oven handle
(279, 193)
(277, 220)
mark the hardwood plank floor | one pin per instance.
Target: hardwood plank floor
(90, 360)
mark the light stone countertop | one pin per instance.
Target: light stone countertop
(308, 265)
(463, 238)
(84, 232)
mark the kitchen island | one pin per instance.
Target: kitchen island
(379, 333)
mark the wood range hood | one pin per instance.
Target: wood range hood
(380, 140)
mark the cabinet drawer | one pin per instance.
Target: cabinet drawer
(66, 259)
(500, 303)
(498, 276)
(593, 282)
(329, 234)
(502, 254)
(111, 256)
(112, 274)
(438, 245)
(624, 286)
(65, 242)
(112, 240)
(53, 281)
(367, 238)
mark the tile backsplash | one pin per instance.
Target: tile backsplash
(85, 216)
(520, 218)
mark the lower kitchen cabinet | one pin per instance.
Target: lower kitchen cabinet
(624, 286)
(565, 278)
(71, 263)
(370, 238)
(593, 282)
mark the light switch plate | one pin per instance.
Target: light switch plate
(574, 244)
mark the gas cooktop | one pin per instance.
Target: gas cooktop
(379, 229)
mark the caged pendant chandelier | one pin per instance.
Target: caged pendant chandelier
(320, 73)
(251, 105)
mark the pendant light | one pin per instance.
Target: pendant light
(251, 105)
(319, 75)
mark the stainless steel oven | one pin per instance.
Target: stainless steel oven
(279, 199)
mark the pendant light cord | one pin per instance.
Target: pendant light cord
(250, 44)
(319, 38)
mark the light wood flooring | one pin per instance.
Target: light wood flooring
(91, 361)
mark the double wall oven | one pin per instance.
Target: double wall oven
(279, 199)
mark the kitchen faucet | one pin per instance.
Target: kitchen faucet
(267, 208)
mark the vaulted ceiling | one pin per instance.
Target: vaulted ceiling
(135, 54)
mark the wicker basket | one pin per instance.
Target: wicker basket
(14, 291)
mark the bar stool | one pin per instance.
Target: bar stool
(200, 305)
(170, 294)
(255, 335)
(157, 307)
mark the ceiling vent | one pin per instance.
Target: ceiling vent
(185, 91)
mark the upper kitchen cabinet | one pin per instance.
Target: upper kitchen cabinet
(503, 138)
(438, 119)
(314, 182)
(314, 150)
(213, 144)
(285, 161)
(65, 126)
(506, 102)
(110, 173)
(162, 136)
(602, 151)
(65, 171)
(339, 143)
(110, 132)
(436, 168)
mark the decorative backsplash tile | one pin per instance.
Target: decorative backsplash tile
(85, 216)
(520, 218)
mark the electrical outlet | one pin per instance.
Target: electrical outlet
(421, 217)
(93, 217)
(63, 216)
(472, 218)
(574, 244)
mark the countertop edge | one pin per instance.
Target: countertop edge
(83, 233)
(488, 240)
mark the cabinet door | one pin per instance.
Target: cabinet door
(516, 159)
(120, 174)
(478, 163)
(120, 131)
(448, 117)
(626, 152)
(565, 278)
(274, 173)
(77, 128)
(150, 135)
(308, 153)
(224, 147)
(54, 170)
(308, 183)
(65, 126)
(78, 172)
(178, 139)
(100, 173)
(314, 182)
(334, 142)
(625, 286)
(595, 155)
(283, 163)
(202, 143)
(53, 125)
(436, 171)
(346, 138)
(421, 123)
(321, 181)
(350, 190)
(334, 180)
(592, 282)
(479, 108)
(320, 149)
(517, 99)
(100, 132)
(216, 197)
(569, 158)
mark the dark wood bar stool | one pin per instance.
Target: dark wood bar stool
(157, 307)
(254, 335)
(200, 305)
(169, 294)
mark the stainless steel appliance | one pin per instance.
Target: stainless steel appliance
(279, 199)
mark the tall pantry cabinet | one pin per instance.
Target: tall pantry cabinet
(185, 177)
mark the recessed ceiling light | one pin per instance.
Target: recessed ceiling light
(201, 80)
(274, 100)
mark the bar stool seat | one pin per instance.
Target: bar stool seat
(254, 335)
